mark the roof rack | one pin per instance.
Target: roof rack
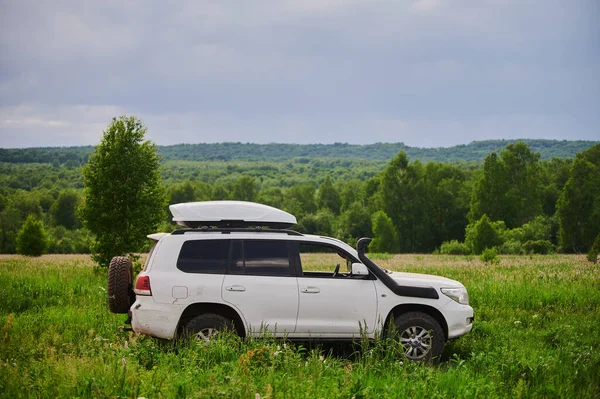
(206, 229)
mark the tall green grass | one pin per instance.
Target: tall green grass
(536, 334)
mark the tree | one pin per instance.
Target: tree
(299, 200)
(407, 199)
(488, 193)
(510, 188)
(354, 223)
(524, 194)
(328, 197)
(32, 239)
(271, 196)
(123, 196)
(245, 188)
(63, 210)
(578, 207)
(385, 238)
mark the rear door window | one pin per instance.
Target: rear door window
(260, 258)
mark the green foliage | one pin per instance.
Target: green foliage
(245, 189)
(354, 223)
(484, 234)
(489, 255)
(322, 223)
(63, 241)
(32, 239)
(300, 200)
(578, 207)
(542, 247)
(427, 203)
(592, 255)
(272, 196)
(385, 238)
(225, 152)
(511, 247)
(328, 197)
(63, 210)
(454, 247)
(124, 198)
(510, 188)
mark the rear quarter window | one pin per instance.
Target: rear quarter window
(204, 256)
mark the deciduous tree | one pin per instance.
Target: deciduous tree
(578, 207)
(32, 239)
(124, 199)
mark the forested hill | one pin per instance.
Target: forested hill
(473, 152)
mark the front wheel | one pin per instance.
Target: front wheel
(421, 336)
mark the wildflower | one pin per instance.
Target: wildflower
(517, 322)
(321, 358)
(124, 362)
(257, 396)
(126, 345)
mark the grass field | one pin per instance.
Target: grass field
(536, 334)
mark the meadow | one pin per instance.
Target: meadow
(536, 335)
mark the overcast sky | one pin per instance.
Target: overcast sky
(428, 73)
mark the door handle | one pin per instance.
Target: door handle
(310, 290)
(239, 288)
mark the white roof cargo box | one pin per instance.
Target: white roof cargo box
(230, 214)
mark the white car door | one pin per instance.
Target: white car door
(331, 305)
(261, 285)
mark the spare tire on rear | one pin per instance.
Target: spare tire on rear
(120, 284)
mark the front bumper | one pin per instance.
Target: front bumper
(459, 318)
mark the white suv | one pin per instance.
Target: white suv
(257, 280)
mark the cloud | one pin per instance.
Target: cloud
(251, 71)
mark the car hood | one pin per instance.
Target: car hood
(423, 280)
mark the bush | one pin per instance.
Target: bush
(539, 247)
(454, 247)
(484, 234)
(32, 239)
(488, 255)
(511, 247)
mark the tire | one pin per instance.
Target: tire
(206, 326)
(120, 284)
(421, 336)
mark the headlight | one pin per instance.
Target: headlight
(460, 295)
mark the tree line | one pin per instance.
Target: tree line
(514, 201)
(475, 151)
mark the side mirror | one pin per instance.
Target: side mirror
(358, 269)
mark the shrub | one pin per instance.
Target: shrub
(484, 234)
(488, 255)
(32, 239)
(511, 247)
(454, 247)
(539, 247)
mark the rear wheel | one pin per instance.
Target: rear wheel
(206, 327)
(120, 284)
(421, 336)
